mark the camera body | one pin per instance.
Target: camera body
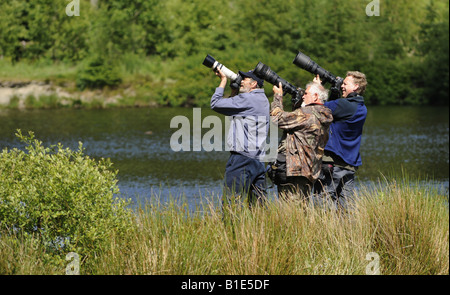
(305, 62)
(235, 79)
(264, 72)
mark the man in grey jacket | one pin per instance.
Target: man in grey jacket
(248, 112)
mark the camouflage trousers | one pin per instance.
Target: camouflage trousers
(295, 188)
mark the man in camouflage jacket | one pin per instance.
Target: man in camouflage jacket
(305, 134)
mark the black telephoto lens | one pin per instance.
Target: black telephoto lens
(209, 61)
(264, 72)
(303, 61)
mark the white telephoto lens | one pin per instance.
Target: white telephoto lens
(228, 73)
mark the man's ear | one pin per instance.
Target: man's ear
(316, 97)
(354, 89)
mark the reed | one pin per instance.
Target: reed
(404, 225)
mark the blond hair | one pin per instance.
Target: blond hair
(360, 80)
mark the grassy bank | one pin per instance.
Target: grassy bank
(54, 85)
(142, 82)
(401, 225)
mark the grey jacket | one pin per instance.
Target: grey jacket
(248, 120)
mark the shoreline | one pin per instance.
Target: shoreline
(34, 94)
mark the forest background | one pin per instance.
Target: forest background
(151, 51)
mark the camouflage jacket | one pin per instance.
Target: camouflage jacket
(306, 130)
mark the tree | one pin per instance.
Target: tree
(434, 48)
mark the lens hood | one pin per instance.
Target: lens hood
(209, 61)
(305, 62)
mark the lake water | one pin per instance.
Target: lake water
(137, 140)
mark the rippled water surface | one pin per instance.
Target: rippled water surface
(396, 139)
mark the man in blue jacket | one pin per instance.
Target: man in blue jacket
(342, 157)
(248, 112)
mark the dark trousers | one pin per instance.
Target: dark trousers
(337, 183)
(245, 178)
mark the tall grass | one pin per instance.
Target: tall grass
(37, 71)
(405, 224)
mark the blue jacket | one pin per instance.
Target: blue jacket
(349, 115)
(249, 121)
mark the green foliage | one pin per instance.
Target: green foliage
(42, 102)
(98, 73)
(435, 52)
(40, 29)
(62, 198)
(405, 58)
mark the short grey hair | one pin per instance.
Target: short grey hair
(319, 89)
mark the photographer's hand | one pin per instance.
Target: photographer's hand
(317, 79)
(278, 90)
(277, 104)
(223, 78)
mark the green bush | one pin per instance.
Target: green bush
(63, 198)
(98, 73)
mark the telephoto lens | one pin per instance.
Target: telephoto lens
(264, 72)
(236, 79)
(303, 61)
(210, 62)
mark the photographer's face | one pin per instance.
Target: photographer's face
(247, 85)
(348, 86)
(309, 97)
